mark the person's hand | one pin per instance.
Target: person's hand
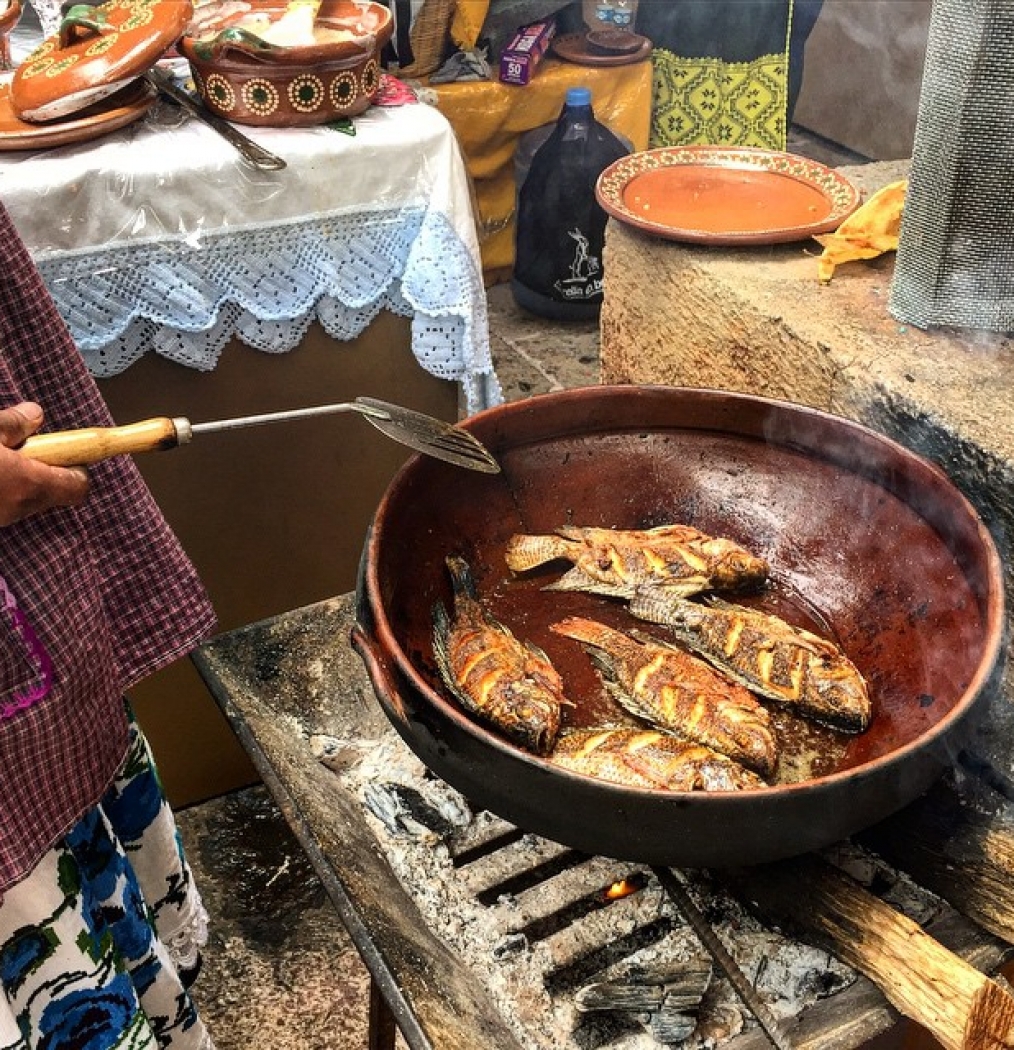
(28, 487)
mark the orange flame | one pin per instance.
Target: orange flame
(623, 888)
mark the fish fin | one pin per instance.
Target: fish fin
(574, 533)
(526, 552)
(590, 632)
(686, 533)
(633, 706)
(686, 587)
(441, 633)
(537, 651)
(578, 580)
(606, 668)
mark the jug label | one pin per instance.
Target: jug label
(584, 280)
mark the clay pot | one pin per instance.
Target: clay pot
(868, 544)
(245, 79)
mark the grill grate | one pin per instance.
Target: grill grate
(538, 922)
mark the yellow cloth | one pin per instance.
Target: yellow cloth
(467, 22)
(489, 118)
(870, 231)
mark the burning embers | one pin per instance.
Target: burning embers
(577, 952)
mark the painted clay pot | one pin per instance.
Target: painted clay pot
(242, 78)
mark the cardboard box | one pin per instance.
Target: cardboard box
(522, 55)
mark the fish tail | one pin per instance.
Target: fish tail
(461, 577)
(665, 609)
(526, 552)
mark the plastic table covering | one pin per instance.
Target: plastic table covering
(159, 238)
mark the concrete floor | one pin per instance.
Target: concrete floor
(279, 970)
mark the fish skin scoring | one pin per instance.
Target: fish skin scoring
(509, 683)
(767, 655)
(680, 558)
(649, 758)
(678, 692)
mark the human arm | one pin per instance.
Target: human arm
(28, 487)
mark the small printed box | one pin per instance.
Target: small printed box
(520, 57)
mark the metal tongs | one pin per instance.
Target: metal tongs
(433, 437)
(249, 150)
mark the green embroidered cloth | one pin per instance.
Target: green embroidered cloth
(725, 72)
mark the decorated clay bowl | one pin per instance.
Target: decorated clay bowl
(246, 79)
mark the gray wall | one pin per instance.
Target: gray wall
(861, 77)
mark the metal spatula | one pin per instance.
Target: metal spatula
(434, 437)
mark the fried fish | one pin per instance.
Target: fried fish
(507, 682)
(677, 692)
(619, 562)
(648, 758)
(767, 655)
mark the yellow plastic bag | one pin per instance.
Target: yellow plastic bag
(868, 232)
(469, 16)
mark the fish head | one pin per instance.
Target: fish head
(736, 567)
(532, 717)
(845, 700)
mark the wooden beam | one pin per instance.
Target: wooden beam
(922, 979)
(962, 855)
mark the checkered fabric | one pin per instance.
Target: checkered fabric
(105, 587)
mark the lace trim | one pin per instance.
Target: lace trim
(265, 286)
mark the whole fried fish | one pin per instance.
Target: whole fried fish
(509, 683)
(647, 758)
(767, 655)
(677, 692)
(679, 558)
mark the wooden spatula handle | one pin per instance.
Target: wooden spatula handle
(78, 448)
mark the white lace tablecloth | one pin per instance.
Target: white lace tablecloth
(157, 238)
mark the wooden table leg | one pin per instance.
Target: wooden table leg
(382, 1026)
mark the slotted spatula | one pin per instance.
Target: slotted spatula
(433, 437)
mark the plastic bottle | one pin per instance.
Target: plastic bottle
(609, 14)
(560, 227)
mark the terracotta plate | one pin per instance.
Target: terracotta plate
(725, 196)
(574, 47)
(117, 111)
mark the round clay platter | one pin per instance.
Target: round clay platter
(725, 195)
(97, 51)
(117, 111)
(574, 47)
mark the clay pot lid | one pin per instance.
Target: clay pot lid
(97, 51)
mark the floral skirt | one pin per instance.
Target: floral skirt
(96, 943)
